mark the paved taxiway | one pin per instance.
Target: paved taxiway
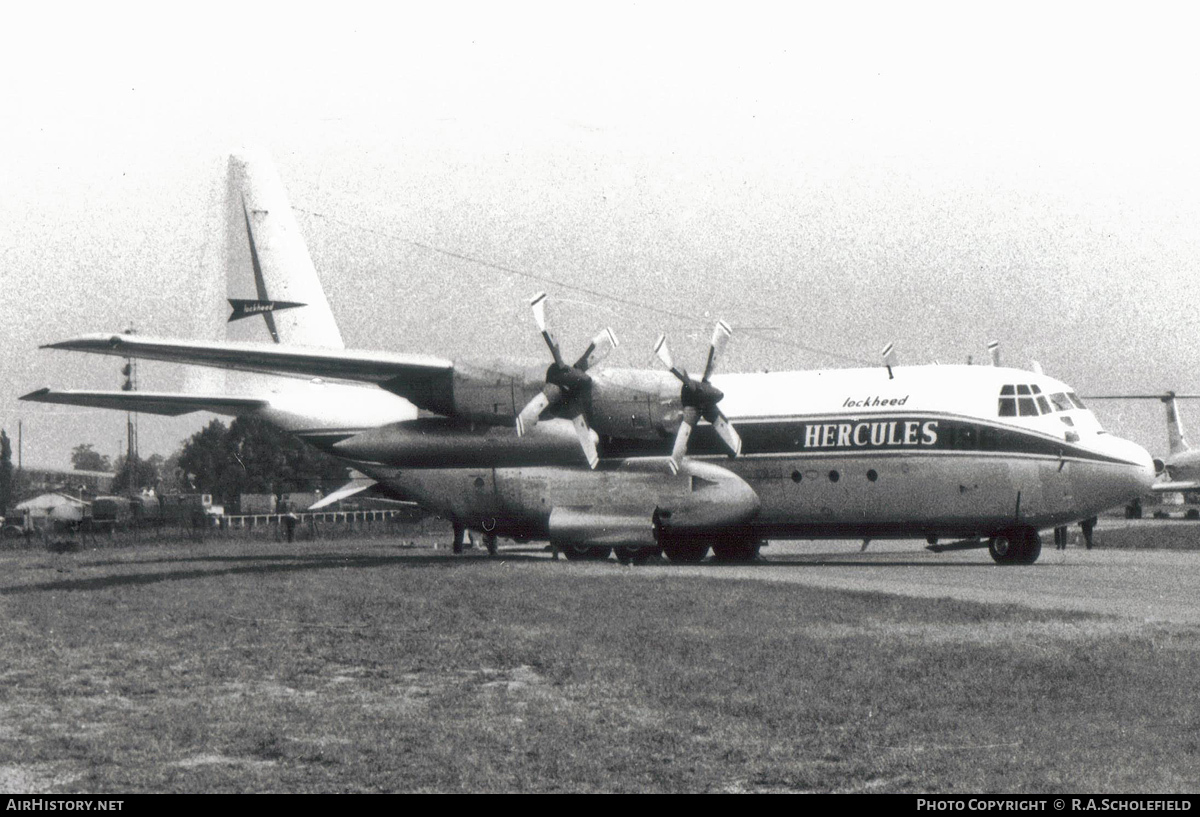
(1138, 584)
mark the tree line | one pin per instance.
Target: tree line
(247, 456)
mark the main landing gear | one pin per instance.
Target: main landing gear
(727, 550)
(462, 541)
(1019, 546)
(744, 550)
(636, 556)
(582, 553)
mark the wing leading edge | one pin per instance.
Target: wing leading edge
(423, 379)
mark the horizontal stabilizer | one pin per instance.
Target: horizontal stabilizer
(334, 364)
(361, 487)
(167, 404)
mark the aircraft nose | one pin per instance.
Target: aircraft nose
(1145, 471)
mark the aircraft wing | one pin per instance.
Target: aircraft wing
(1170, 486)
(144, 402)
(1159, 396)
(395, 372)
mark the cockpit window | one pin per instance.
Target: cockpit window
(1061, 401)
(1075, 399)
(1008, 404)
(1024, 400)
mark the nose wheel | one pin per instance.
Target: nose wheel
(1019, 546)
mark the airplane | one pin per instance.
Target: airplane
(921, 451)
(1180, 469)
(291, 303)
(595, 459)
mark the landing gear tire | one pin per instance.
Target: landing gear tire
(1020, 546)
(582, 553)
(688, 553)
(635, 556)
(489, 541)
(736, 551)
(460, 537)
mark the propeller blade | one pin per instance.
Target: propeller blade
(728, 434)
(539, 315)
(664, 354)
(597, 350)
(720, 340)
(691, 416)
(586, 442)
(528, 418)
(538, 302)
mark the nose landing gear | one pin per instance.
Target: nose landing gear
(1019, 546)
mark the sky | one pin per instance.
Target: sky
(827, 178)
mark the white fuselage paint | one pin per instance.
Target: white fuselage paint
(829, 453)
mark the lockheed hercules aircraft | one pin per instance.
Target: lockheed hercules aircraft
(648, 461)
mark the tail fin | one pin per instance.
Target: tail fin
(264, 245)
(1175, 436)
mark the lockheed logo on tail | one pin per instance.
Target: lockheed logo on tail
(245, 308)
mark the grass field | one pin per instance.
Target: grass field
(375, 666)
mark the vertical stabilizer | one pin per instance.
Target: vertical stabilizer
(1175, 436)
(207, 297)
(272, 280)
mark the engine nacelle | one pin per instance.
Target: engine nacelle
(635, 404)
(623, 403)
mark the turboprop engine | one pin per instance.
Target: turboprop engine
(637, 404)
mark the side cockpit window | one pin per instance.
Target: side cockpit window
(1008, 403)
(1061, 401)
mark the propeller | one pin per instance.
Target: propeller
(700, 397)
(566, 385)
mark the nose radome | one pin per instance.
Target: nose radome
(1145, 473)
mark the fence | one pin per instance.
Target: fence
(318, 525)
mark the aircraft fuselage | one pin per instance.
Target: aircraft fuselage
(930, 452)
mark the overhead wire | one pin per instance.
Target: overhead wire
(548, 280)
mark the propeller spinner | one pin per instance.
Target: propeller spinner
(700, 397)
(566, 385)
